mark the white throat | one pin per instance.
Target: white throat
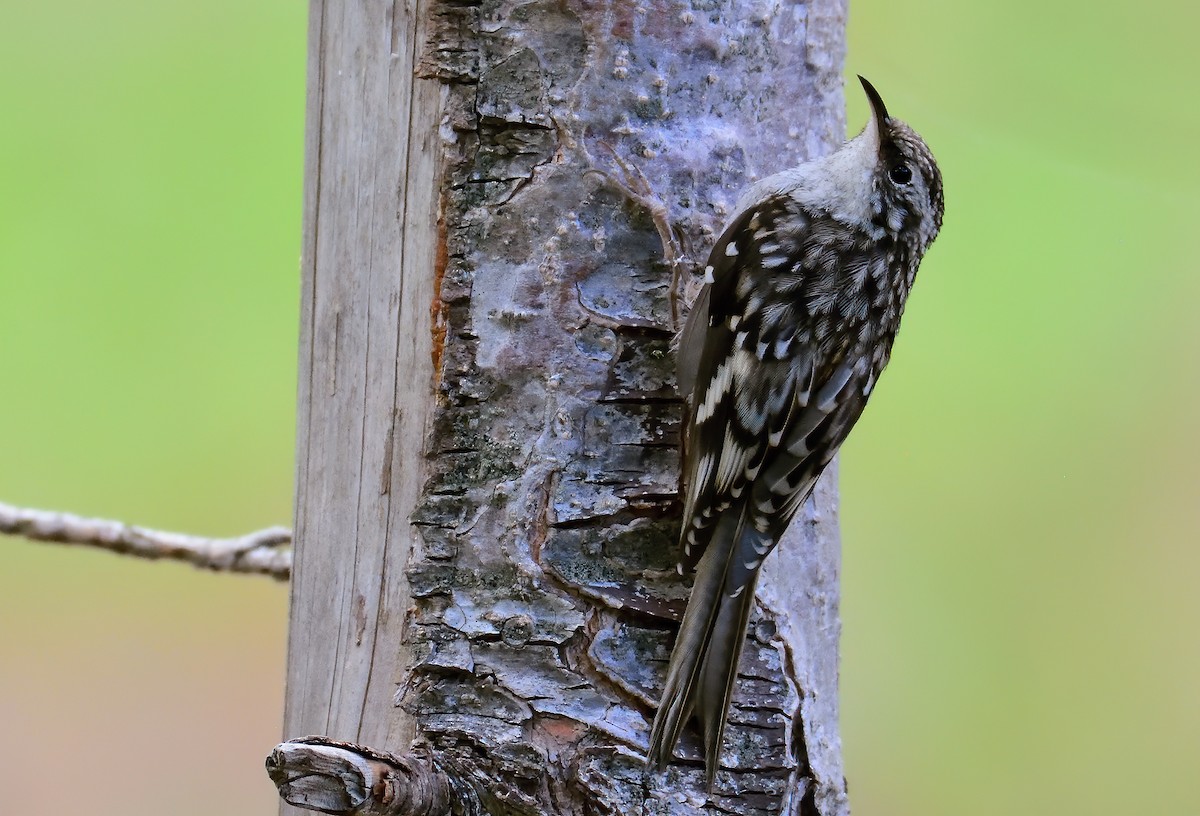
(841, 184)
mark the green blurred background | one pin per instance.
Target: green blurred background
(1019, 503)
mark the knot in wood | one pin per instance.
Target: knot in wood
(517, 630)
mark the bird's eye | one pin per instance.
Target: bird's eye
(901, 174)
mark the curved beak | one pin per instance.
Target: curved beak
(879, 113)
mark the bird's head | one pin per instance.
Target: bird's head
(905, 183)
(883, 181)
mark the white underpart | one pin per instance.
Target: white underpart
(841, 184)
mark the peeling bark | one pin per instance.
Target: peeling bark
(521, 533)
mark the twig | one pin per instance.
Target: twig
(633, 184)
(263, 552)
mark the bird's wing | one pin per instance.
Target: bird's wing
(769, 353)
(774, 353)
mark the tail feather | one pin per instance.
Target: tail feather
(691, 645)
(715, 691)
(705, 658)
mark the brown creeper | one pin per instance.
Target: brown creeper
(803, 296)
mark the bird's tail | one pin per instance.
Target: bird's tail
(705, 658)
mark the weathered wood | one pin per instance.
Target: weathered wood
(366, 375)
(538, 583)
(316, 773)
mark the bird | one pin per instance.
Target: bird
(802, 298)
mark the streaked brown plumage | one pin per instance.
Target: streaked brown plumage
(803, 297)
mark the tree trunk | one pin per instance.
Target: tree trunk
(488, 432)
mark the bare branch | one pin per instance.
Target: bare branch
(263, 552)
(330, 776)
